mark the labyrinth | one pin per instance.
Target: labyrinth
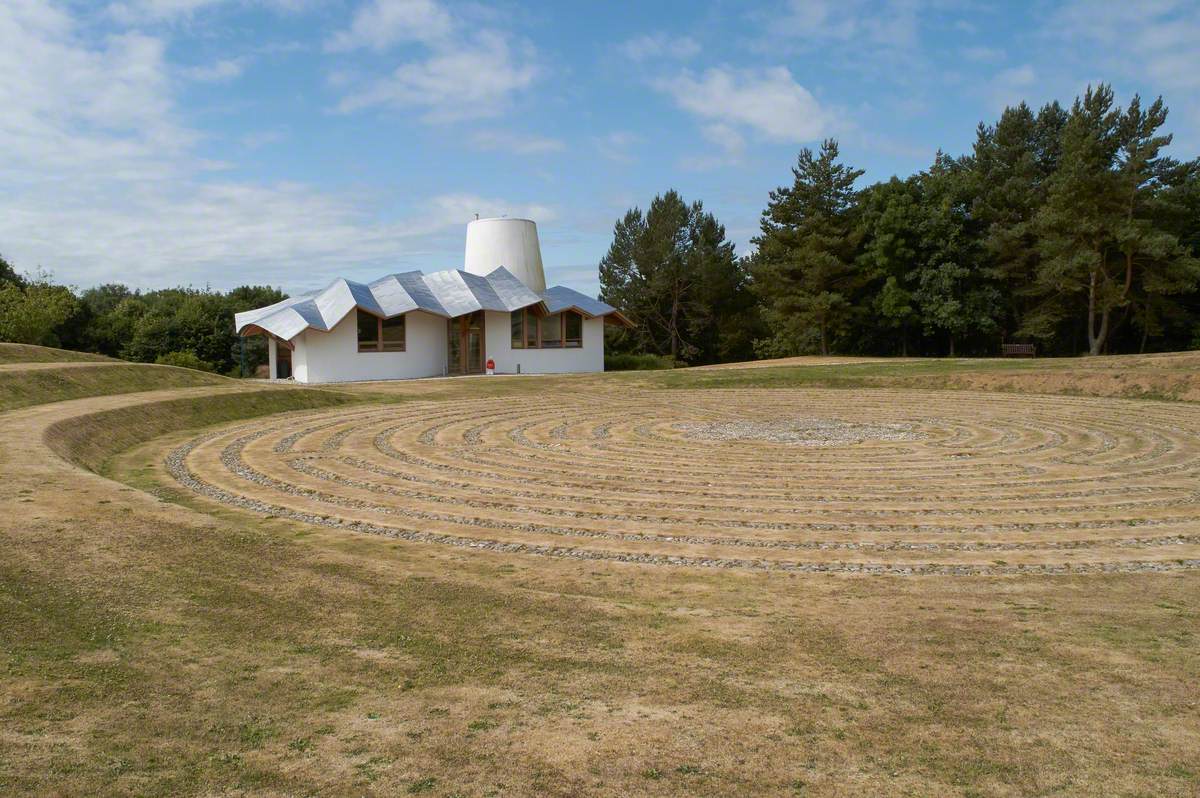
(802, 480)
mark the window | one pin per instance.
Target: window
(531, 330)
(392, 334)
(380, 335)
(368, 332)
(518, 329)
(552, 331)
(572, 329)
(556, 331)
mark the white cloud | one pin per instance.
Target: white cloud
(453, 210)
(261, 138)
(229, 234)
(769, 102)
(730, 141)
(469, 72)
(518, 143)
(1156, 40)
(616, 146)
(660, 45)
(983, 54)
(726, 137)
(1011, 86)
(879, 41)
(468, 82)
(99, 180)
(135, 12)
(220, 71)
(889, 24)
(381, 24)
(68, 106)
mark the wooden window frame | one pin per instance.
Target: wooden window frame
(531, 326)
(542, 339)
(377, 344)
(390, 346)
(572, 343)
(524, 315)
(536, 324)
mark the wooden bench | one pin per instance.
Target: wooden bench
(1018, 350)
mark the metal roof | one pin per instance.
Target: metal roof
(447, 293)
(560, 297)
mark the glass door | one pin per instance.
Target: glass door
(464, 344)
(454, 348)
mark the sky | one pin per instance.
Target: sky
(287, 142)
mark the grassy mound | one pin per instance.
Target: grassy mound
(28, 353)
(1172, 376)
(22, 388)
(92, 439)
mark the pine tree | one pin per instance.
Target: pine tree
(675, 273)
(1098, 237)
(804, 269)
(1156, 264)
(1010, 165)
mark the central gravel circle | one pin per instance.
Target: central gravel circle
(802, 432)
(804, 480)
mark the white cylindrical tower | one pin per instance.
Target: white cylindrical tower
(511, 243)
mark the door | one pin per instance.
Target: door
(464, 344)
(283, 363)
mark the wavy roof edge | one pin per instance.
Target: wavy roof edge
(448, 293)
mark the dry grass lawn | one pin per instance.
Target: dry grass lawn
(423, 587)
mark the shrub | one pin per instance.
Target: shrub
(630, 362)
(186, 360)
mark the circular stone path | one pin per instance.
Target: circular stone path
(900, 482)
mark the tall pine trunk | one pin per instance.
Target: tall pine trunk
(675, 328)
(1095, 337)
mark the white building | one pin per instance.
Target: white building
(411, 324)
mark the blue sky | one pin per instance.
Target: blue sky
(223, 142)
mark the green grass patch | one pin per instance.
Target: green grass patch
(28, 353)
(40, 386)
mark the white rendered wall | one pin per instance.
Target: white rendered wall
(498, 332)
(272, 357)
(300, 358)
(334, 357)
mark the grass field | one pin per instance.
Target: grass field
(32, 384)
(964, 578)
(25, 353)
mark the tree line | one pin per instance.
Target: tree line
(1067, 228)
(179, 326)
